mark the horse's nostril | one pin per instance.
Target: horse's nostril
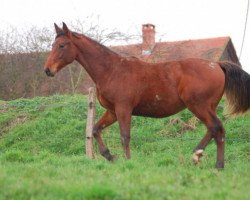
(48, 72)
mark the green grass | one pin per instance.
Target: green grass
(42, 156)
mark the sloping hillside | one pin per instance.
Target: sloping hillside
(42, 156)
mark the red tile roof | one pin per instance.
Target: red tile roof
(210, 49)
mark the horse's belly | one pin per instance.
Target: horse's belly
(158, 108)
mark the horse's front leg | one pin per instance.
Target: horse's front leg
(106, 120)
(123, 114)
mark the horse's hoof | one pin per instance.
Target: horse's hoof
(114, 158)
(219, 165)
(197, 155)
(106, 154)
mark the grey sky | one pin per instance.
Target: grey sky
(176, 19)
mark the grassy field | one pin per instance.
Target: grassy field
(42, 156)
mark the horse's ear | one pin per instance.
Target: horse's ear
(58, 30)
(66, 30)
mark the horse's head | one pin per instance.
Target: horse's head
(63, 51)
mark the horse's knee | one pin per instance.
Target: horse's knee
(97, 130)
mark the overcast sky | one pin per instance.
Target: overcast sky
(176, 19)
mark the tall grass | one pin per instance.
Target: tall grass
(42, 156)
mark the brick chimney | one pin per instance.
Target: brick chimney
(148, 38)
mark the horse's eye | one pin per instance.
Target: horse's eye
(61, 46)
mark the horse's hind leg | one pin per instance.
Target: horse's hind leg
(214, 130)
(218, 133)
(106, 120)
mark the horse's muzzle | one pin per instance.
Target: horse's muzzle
(48, 72)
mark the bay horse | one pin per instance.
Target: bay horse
(129, 86)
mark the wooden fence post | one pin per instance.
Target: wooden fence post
(90, 123)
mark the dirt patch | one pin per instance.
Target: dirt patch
(18, 120)
(185, 126)
(191, 124)
(6, 126)
(3, 107)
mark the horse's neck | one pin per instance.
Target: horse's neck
(97, 59)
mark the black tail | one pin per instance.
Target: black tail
(237, 88)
